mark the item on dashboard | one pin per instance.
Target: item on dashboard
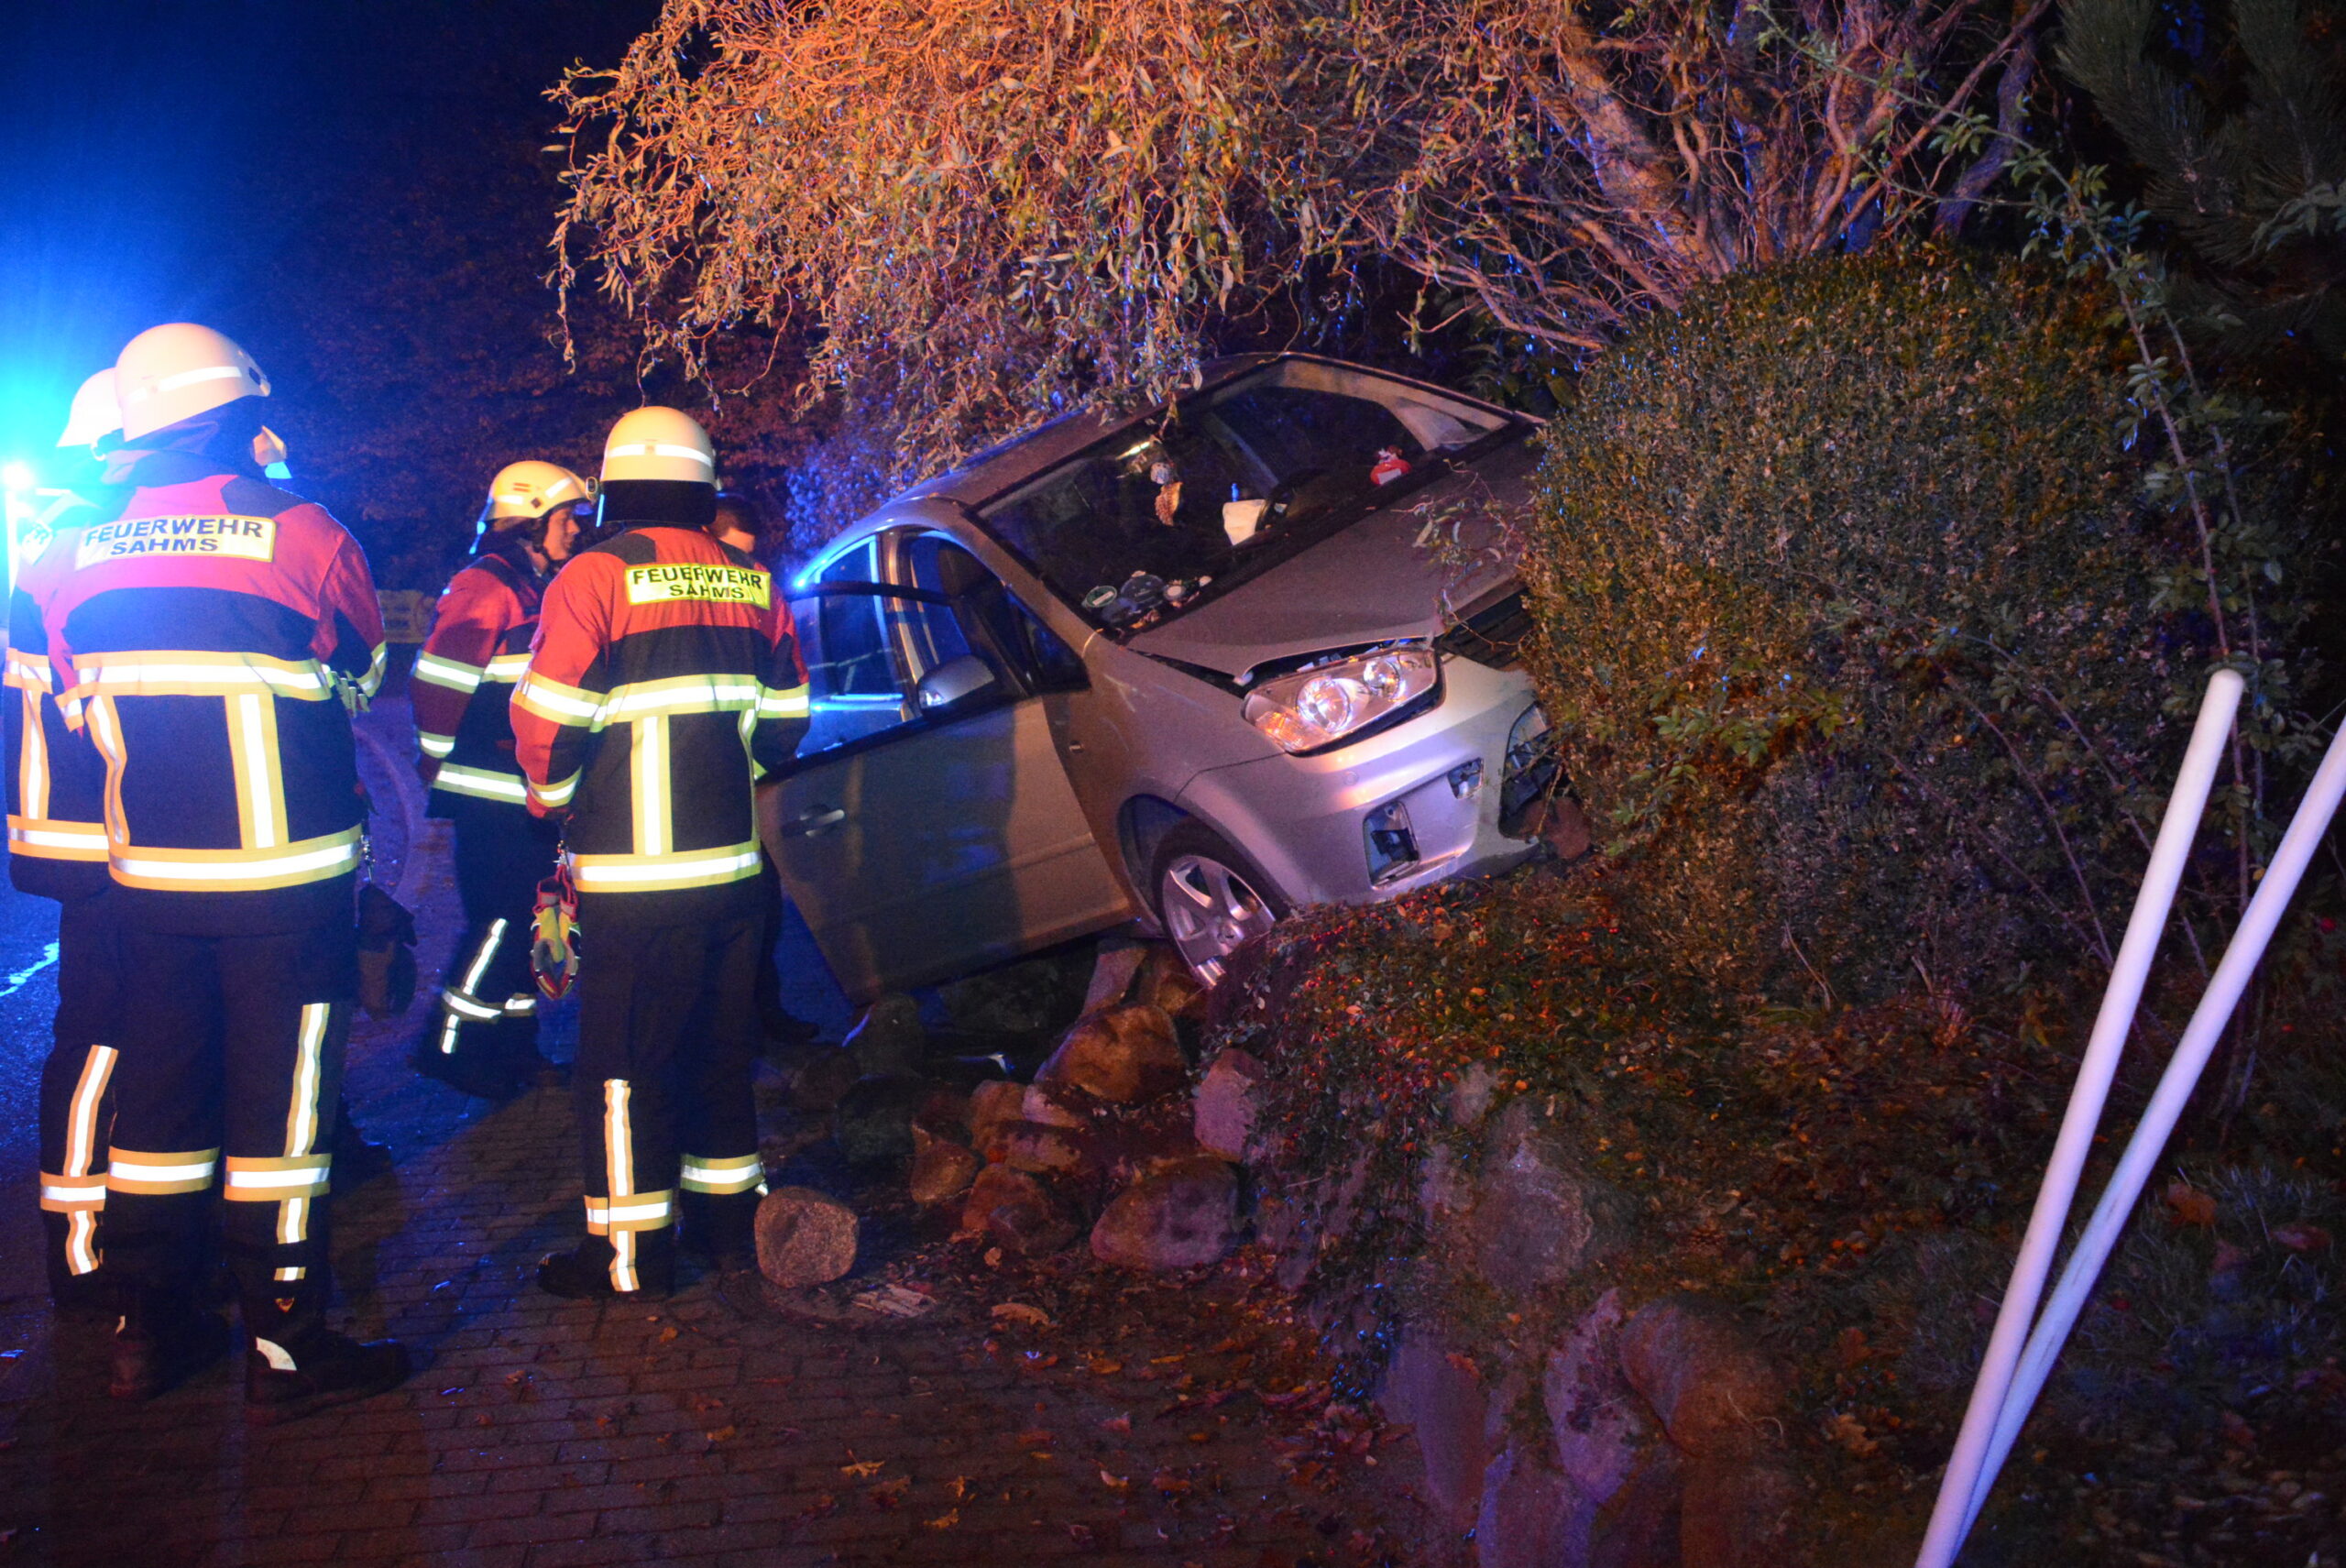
(1241, 521)
(1390, 465)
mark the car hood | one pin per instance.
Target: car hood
(1373, 582)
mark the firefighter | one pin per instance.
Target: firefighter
(665, 679)
(57, 849)
(212, 638)
(485, 1041)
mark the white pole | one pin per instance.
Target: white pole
(1951, 1516)
(2182, 1075)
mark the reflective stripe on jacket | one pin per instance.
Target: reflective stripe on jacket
(666, 677)
(57, 835)
(215, 631)
(464, 681)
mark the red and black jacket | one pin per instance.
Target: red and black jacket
(217, 632)
(665, 679)
(57, 834)
(463, 683)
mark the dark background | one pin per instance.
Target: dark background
(356, 191)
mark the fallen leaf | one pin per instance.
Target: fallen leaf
(1035, 1437)
(945, 1521)
(1119, 1424)
(1851, 1433)
(863, 1471)
(723, 1434)
(2302, 1237)
(1114, 1483)
(823, 1506)
(1020, 1312)
(886, 1495)
(2189, 1205)
(1106, 1369)
(959, 1487)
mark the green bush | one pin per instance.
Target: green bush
(1872, 653)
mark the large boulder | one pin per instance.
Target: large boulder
(1735, 1515)
(873, 1123)
(1165, 981)
(1112, 972)
(804, 1237)
(1039, 1105)
(888, 1039)
(1226, 1104)
(1043, 1149)
(1017, 1213)
(1708, 1382)
(1181, 1216)
(942, 1168)
(1592, 1410)
(991, 1104)
(1440, 1393)
(1531, 1516)
(820, 1081)
(1537, 1220)
(1123, 1055)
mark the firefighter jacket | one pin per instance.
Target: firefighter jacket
(211, 639)
(57, 835)
(464, 679)
(666, 677)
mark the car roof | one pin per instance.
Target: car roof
(1006, 466)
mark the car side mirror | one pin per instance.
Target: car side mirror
(954, 680)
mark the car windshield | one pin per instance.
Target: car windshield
(1159, 520)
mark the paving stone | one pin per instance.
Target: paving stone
(539, 1433)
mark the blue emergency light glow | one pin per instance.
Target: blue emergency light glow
(17, 476)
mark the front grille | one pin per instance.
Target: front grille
(1493, 636)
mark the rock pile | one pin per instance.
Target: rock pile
(1106, 1140)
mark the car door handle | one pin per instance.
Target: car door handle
(814, 819)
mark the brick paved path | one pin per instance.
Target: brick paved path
(545, 1433)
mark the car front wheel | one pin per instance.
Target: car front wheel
(1210, 899)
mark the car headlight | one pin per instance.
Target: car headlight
(1317, 707)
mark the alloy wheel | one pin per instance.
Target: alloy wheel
(1210, 911)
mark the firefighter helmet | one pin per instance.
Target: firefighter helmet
(96, 413)
(178, 370)
(659, 444)
(525, 492)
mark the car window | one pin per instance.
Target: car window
(1002, 625)
(851, 675)
(883, 658)
(1156, 521)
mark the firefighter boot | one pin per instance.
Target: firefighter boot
(718, 1229)
(593, 1271)
(296, 1365)
(161, 1338)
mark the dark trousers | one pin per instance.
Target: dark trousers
(663, 1086)
(76, 1089)
(489, 999)
(231, 1066)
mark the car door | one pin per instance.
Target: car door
(929, 828)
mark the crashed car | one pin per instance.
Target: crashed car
(1198, 668)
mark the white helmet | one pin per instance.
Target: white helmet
(97, 412)
(659, 444)
(531, 489)
(178, 370)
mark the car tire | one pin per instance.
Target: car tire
(1209, 899)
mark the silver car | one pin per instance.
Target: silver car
(1197, 668)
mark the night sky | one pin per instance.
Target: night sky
(356, 191)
